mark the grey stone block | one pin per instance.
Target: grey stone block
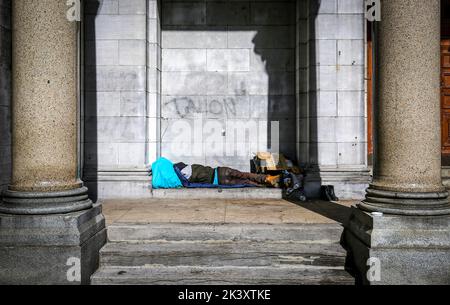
(116, 129)
(115, 27)
(131, 155)
(351, 103)
(228, 13)
(350, 129)
(352, 153)
(115, 78)
(350, 78)
(132, 7)
(101, 155)
(325, 52)
(323, 104)
(323, 7)
(409, 250)
(228, 107)
(184, 13)
(272, 13)
(153, 31)
(5, 85)
(351, 52)
(183, 107)
(101, 52)
(102, 104)
(5, 130)
(302, 35)
(272, 60)
(324, 154)
(325, 26)
(105, 7)
(258, 83)
(152, 9)
(351, 6)
(184, 60)
(261, 37)
(132, 104)
(350, 26)
(153, 56)
(228, 59)
(175, 37)
(132, 52)
(273, 106)
(194, 83)
(47, 249)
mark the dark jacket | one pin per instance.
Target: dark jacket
(202, 174)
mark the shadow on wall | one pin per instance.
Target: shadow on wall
(228, 62)
(231, 63)
(5, 94)
(89, 115)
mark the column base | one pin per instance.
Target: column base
(403, 203)
(60, 249)
(409, 249)
(43, 203)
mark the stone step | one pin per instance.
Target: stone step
(186, 275)
(241, 193)
(445, 172)
(315, 233)
(218, 254)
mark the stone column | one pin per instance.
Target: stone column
(46, 198)
(407, 159)
(44, 118)
(408, 233)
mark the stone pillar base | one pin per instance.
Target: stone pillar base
(410, 249)
(41, 203)
(51, 249)
(412, 204)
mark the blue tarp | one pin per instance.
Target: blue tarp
(164, 175)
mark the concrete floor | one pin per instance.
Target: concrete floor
(268, 211)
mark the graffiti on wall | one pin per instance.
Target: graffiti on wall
(185, 106)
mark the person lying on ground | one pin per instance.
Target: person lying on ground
(196, 173)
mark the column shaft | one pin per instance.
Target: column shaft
(45, 111)
(407, 163)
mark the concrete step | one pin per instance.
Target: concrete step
(186, 275)
(219, 254)
(241, 193)
(316, 233)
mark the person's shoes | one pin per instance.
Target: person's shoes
(332, 194)
(273, 180)
(327, 193)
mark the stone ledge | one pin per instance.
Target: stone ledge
(242, 193)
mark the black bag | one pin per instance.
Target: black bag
(327, 193)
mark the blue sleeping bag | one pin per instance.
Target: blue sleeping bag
(188, 184)
(164, 176)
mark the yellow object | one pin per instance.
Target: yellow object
(271, 161)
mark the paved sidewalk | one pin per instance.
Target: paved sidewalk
(270, 211)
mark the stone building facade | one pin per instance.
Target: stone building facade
(223, 72)
(137, 79)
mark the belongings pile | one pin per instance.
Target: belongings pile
(292, 177)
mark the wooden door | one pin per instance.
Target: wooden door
(445, 80)
(369, 78)
(445, 95)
